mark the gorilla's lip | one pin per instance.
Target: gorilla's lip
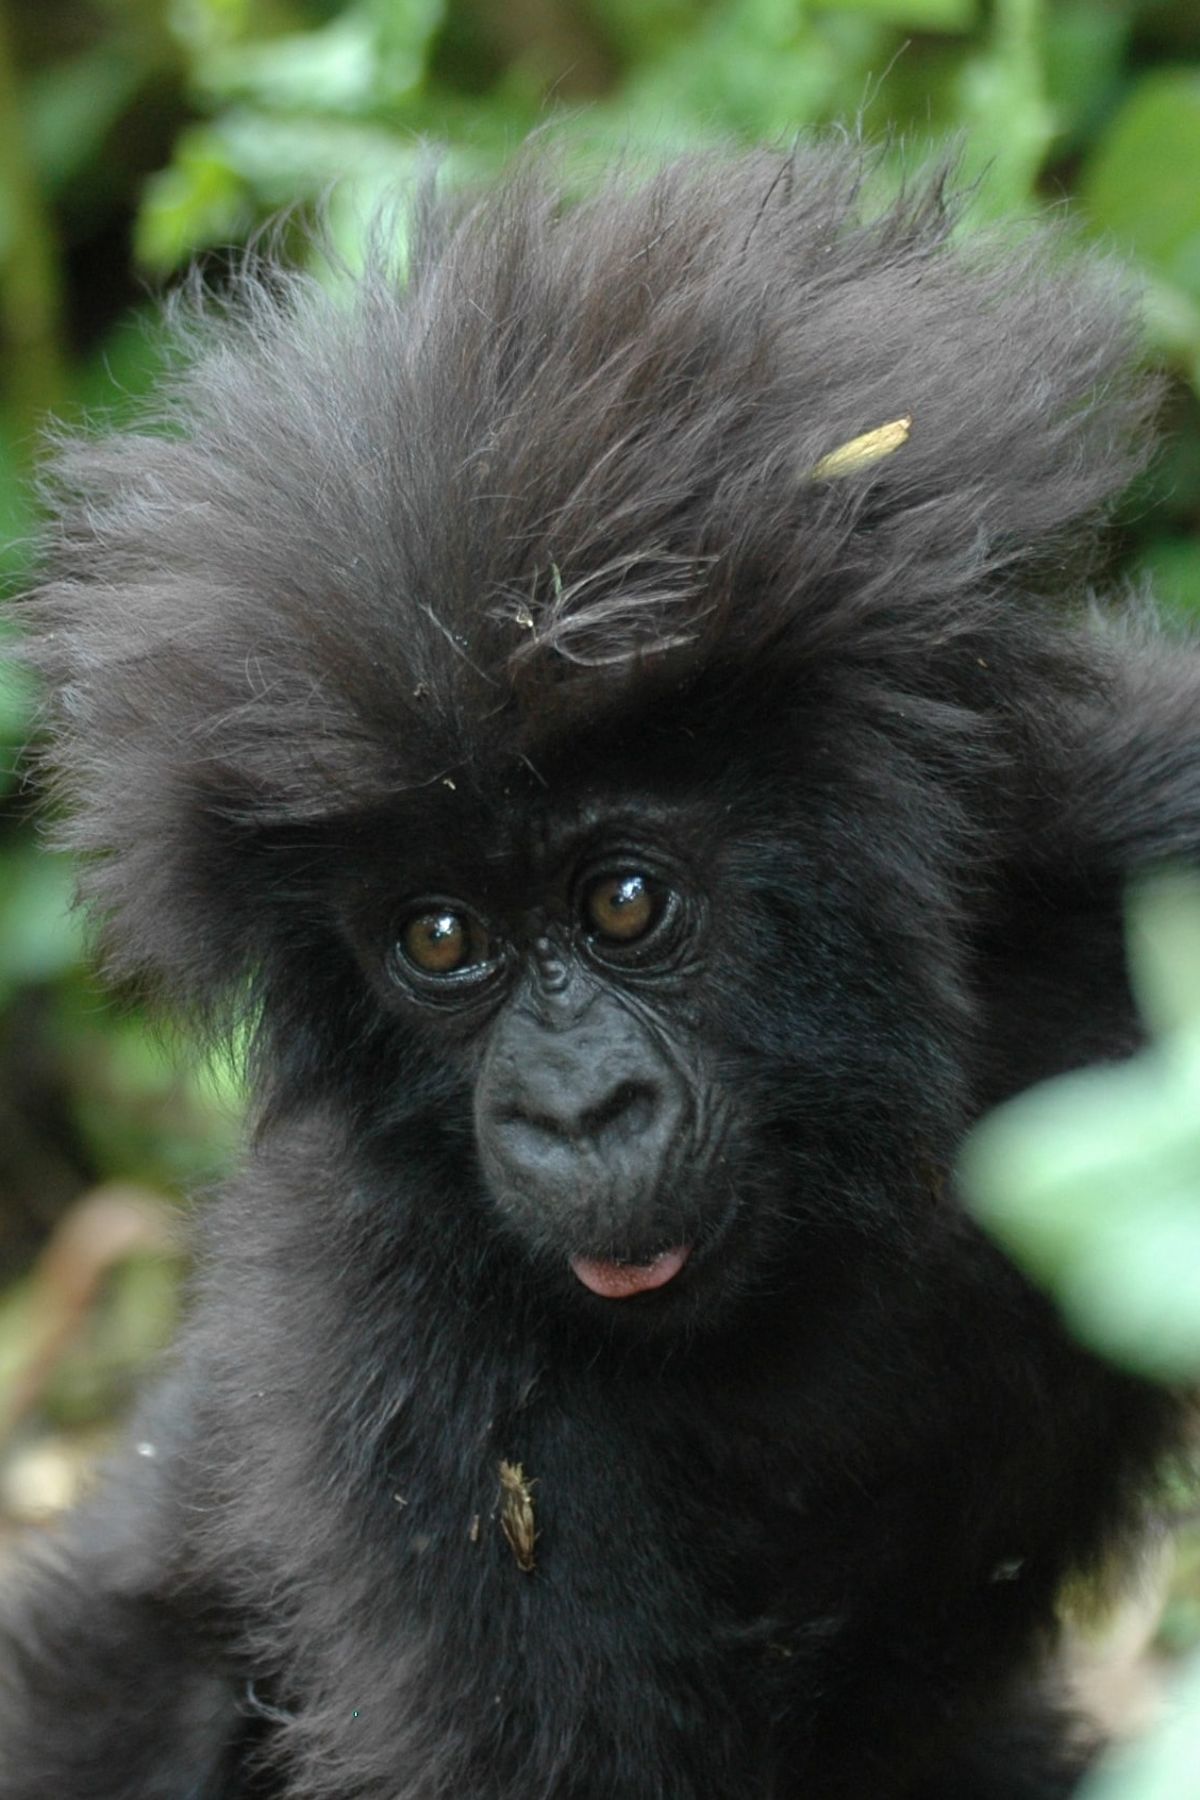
(618, 1280)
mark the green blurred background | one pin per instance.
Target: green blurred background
(139, 135)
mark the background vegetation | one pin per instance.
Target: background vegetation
(136, 135)
(1093, 1182)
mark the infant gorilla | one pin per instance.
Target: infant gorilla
(616, 711)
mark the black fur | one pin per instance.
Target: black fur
(445, 587)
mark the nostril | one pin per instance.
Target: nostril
(627, 1112)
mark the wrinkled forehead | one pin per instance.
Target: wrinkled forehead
(503, 834)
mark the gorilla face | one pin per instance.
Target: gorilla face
(661, 1022)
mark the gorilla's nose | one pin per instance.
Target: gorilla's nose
(561, 1115)
(573, 1114)
(592, 1111)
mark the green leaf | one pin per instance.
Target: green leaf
(197, 202)
(1142, 182)
(1093, 1181)
(368, 58)
(759, 67)
(1172, 320)
(18, 698)
(1010, 128)
(124, 368)
(72, 107)
(405, 32)
(281, 160)
(1163, 932)
(201, 25)
(1172, 565)
(1083, 46)
(16, 509)
(40, 934)
(332, 70)
(1093, 1184)
(920, 15)
(1162, 1765)
(1132, 1291)
(645, 32)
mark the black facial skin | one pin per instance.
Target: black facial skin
(585, 1109)
(637, 857)
(621, 1092)
(580, 1110)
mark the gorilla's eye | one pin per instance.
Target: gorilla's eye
(443, 941)
(620, 909)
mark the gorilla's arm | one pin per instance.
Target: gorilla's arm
(110, 1681)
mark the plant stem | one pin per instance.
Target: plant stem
(30, 277)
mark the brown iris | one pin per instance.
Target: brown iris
(441, 941)
(621, 908)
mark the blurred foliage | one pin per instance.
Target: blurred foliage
(1092, 1182)
(137, 135)
(1162, 1765)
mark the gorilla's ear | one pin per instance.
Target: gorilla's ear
(1111, 792)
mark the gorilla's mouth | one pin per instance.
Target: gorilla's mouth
(613, 1279)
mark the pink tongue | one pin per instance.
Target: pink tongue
(617, 1280)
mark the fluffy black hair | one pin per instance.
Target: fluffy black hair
(374, 535)
(776, 516)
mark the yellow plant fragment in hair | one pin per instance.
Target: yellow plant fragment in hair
(862, 451)
(516, 1513)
